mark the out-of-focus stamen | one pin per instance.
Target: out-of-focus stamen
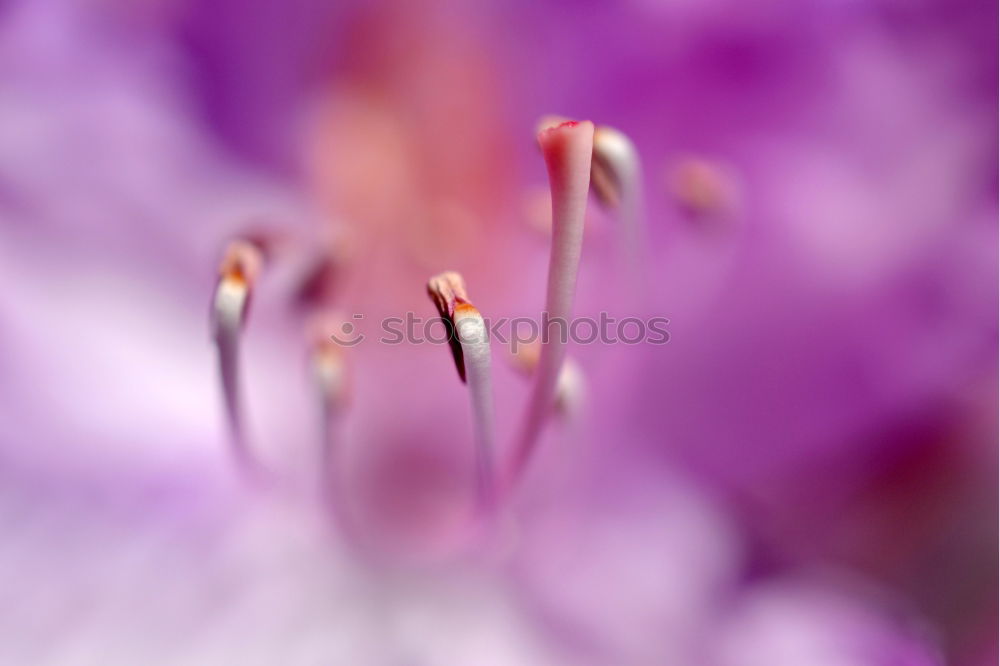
(616, 179)
(319, 283)
(570, 388)
(703, 188)
(567, 149)
(328, 364)
(240, 267)
(331, 378)
(615, 170)
(469, 330)
(322, 283)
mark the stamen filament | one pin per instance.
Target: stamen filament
(472, 358)
(332, 383)
(240, 267)
(570, 388)
(567, 149)
(472, 333)
(616, 176)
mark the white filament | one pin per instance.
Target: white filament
(567, 149)
(229, 309)
(616, 151)
(474, 338)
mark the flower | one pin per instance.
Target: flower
(815, 212)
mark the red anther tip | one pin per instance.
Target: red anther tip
(554, 133)
(566, 124)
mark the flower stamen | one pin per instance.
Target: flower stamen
(616, 179)
(570, 388)
(471, 351)
(332, 381)
(241, 265)
(567, 149)
(447, 290)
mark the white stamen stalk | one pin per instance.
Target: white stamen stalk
(472, 358)
(240, 267)
(616, 180)
(474, 338)
(616, 176)
(567, 149)
(332, 382)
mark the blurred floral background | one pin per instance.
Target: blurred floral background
(805, 475)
